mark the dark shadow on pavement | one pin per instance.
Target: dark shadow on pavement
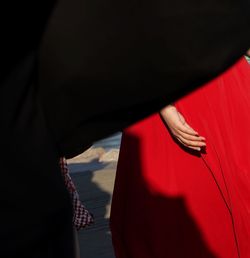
(95, 240)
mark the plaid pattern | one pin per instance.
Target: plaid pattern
(81, 216)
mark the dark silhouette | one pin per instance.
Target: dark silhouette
(95, 240)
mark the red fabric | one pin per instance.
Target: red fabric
(169, 202)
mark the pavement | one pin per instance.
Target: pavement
(93, 173)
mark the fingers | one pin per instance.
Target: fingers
(181, 130)
(197, 144)
(190, 147)
(185, 128)
(188, 137)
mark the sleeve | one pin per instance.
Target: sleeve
(104, 65)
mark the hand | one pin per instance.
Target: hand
(248, 52)
(179, 128)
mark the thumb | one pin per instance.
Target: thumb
(183, 121)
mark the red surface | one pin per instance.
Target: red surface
(169, 202)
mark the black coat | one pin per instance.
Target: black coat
(108, 63)
(100, 66)
(35, 209)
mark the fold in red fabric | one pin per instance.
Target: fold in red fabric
(170, 202)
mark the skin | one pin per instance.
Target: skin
(248, 52)
(181, 130)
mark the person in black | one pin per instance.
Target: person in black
(73, 72)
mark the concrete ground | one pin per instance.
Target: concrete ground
(93, 174)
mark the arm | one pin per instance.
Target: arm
(180, 129)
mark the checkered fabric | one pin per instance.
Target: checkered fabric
(81, 216)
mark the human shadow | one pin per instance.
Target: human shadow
(148, 224)
(89, 179)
